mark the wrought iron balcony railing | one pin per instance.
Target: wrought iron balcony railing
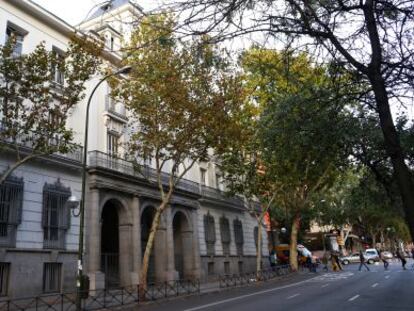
(107, 161)
(28, 140)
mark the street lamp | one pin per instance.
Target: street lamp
(123, 70)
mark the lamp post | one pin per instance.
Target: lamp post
(79, 282)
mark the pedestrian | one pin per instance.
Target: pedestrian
(338, 263)
(400, 256)
(272, 259)
(362, 259)
(334, 263)
(384, 260)
(325, 259)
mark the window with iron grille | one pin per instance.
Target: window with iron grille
(210, 234)
(56, 215)
(52, 277)
(210, 268)
(226, 267)
(238, 236)
(4, 278)
(225, 235)
(11, 202)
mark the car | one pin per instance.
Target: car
(346, 260)
(371, 255)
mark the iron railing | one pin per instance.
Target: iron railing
(110, 108)
(107, 161)
(28, 140)
(102, 299)
(251, 277)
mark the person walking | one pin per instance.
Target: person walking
(401, 257)
(272, 259)
(383, 259)
(362, 259)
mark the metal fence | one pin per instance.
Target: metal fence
(104, 298)
(252, 277)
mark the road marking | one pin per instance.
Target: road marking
(375, 285)
(353, 298)
(293, 296)
(387, 276)
(247, 295)
(324, 285)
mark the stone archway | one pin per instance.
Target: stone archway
(183, 243)
(110, 243)
(146, 221)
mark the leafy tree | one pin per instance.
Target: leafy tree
(300, 128)
(181, 97)
(34, 109)
(371, 38)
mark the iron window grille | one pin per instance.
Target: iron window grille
(11, 202)
(4, 278)
(238, 236)
(52, 277)
(225, 235)
(56, 215)
(210, 234)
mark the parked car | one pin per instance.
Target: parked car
(370, 255)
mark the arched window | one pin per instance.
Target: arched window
(238, 236)
(225, 235)
(210, 233)
(56, 215)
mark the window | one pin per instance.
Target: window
(226, 267)
(17, 33)
(210, 234)
(4, 278)
(56, 215)
(238, 236)
(112, 144)
(240, 266)
(52, 277)
(210, 268)
(11, 200)
(225, 235)
(203, 176)
(58, 76)
(219, 184)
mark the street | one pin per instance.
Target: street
(347, 290)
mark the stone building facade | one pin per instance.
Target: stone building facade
(202, 235)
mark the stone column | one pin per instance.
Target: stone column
(171, 273)
(93, 240)
(125, 253)
(136, 240)
(195, 245)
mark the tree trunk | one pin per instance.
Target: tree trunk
(293, 256)
(148, 250)
(394, 150)
(259, 248)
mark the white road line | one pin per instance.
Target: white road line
(387, 276)
(247, 295)
(293, 296)
(353, 298)
(374, 285)
(324, 285)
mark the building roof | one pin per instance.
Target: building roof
(111, 5)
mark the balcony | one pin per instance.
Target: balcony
(115, 110)
(28, 140)
(106, 161)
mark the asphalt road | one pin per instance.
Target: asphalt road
(349, 290)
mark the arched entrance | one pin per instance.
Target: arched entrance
(183, 240)
(110, 244)
(146, 221)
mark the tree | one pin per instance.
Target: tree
(181, 97)
(38, 92)
(300, 128)
(372, 38)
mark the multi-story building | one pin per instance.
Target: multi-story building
(203, 233)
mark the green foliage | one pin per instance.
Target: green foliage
(34, 107)
(182, 95)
